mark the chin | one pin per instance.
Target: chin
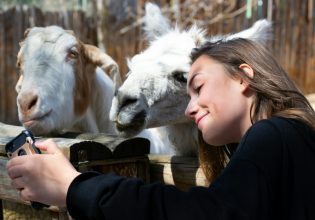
(38, 128)
(129, 131)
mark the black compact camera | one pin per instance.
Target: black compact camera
(23, 144)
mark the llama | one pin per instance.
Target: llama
(153, 97)
(63, 85)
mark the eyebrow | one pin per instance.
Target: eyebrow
(192, 79)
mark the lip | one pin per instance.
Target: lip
(199, 119)
(32, 120)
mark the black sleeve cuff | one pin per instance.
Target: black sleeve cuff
(86, 192)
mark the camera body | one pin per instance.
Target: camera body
(22, 144)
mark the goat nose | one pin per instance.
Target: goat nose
(27, 102)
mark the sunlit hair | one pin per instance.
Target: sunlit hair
(276, 93)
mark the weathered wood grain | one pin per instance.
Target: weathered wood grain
(183, 172)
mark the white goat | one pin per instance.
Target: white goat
(61, 88)
(154, 93)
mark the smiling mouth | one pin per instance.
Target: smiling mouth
(199, 119)
(30, 122)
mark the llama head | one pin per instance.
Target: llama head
(56, 71)
(154, 92)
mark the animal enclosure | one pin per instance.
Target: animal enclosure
(118, 29)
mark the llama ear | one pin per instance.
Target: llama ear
(198, 35)
(155, 24)
(105, 62)
(260, 31)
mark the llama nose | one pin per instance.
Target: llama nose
(125, 100)
(27, 102)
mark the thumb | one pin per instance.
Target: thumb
(48, 145)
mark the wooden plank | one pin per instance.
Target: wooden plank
(183, 172)
(93, 146)
(180, 171)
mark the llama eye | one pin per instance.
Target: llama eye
(180, 76)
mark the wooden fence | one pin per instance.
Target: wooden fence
(116, 26)
(13, 23)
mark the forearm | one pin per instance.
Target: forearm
(95, 196)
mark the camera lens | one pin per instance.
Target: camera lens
(21, 152)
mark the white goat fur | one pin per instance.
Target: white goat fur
(60, 87)
(154, 93)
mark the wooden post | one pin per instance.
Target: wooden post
(1, 210)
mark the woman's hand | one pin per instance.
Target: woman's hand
(43, 178)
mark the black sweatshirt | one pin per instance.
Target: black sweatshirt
(270, 176)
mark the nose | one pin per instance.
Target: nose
(27, 102)
(192, 109)
(125, 99)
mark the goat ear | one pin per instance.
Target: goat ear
(105, 62)
(155, 24)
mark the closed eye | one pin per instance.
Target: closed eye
(197, 89)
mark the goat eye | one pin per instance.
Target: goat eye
(180, 76)
(73, 53)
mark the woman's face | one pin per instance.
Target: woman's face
(219, 104)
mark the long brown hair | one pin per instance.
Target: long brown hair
(276, 93)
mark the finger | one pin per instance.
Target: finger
(18, 183)
(26, 195)
(48, 145)
(17, 161)
(15, 171)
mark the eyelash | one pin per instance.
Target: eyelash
(197, 89)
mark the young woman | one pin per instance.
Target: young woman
(239, 94)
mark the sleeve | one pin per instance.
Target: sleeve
(240, 194)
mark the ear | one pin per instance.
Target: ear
(104, 61)
(260, 31)
(155, 24)
(198, 35)
(248, 70)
